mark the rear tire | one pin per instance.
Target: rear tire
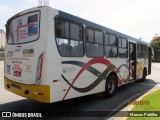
(110, 87)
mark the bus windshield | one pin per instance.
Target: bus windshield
(24, 28)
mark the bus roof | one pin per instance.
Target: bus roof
(85, 22)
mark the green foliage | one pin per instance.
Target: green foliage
(156, 47)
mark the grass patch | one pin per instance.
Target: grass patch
(153, 105)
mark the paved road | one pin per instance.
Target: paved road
(12, 102)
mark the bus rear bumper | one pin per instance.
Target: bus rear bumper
(39, 93)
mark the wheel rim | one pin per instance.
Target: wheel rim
(111, 86)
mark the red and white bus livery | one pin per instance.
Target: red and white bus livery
(52, 56)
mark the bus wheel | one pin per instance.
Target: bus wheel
(111, 86)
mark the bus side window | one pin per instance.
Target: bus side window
(112, 49)
(89, 35)
(145, 51)
(69, 38)
(123, 47)
(132, 53)
(94, 43)
(59, 28)
(106, 44)
(63, 46)
(139, 50)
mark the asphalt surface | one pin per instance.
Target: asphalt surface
(97, 107)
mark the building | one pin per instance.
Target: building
(2, 43)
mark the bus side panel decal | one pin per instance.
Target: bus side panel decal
(88, 67)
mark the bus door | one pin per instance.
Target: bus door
(132, 60)
(149, 59)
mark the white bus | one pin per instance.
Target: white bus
(52, 56)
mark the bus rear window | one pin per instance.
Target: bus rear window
(24, 28)
(33, 18)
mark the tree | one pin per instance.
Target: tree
(155, 44)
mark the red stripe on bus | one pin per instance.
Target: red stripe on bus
(89, 63)
(55, 80)
(132, 71)
(26, 25)
(19, 46)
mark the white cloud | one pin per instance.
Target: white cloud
(32, 1)
(138, 18)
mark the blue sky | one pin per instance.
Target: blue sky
(137, 18)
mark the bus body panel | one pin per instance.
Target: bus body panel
(40, 93)
(21, 58)
(53, 59)
(24, 58)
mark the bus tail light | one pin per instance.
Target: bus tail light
(39, 68)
